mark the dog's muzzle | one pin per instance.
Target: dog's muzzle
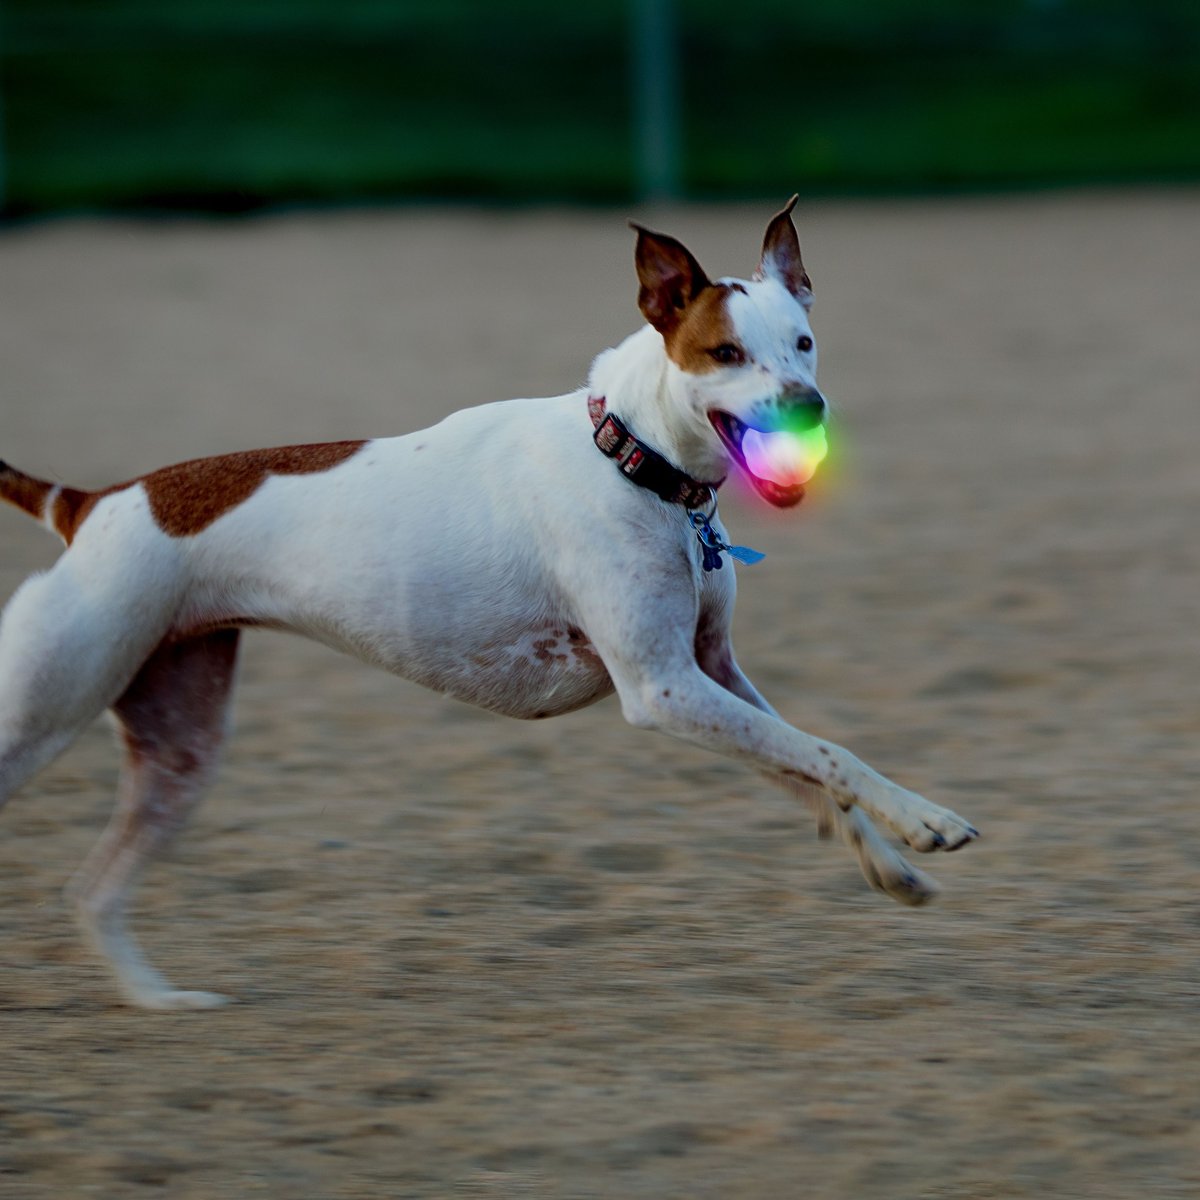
(780, 447)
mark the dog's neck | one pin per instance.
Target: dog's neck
(639, 383)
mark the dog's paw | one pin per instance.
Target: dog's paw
(926, 827)
(887, 872)
(902, 882)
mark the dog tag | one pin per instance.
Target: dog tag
(713, 546)
(745, 555)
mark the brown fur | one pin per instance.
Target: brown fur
(670, 279)
(27, 493)
(189, 496)
(705, 325)
(71, 508)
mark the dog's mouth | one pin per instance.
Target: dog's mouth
(779, 461)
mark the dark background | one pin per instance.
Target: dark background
(223, 105)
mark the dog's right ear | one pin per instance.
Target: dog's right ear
(781, 256)
(670, 276)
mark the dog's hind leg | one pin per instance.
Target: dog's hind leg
(68, 646)
(172, 721)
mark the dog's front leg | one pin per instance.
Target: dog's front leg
(882, 866)
(674, 696)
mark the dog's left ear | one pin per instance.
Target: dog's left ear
(670, 276)
(781, 256)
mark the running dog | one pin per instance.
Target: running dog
(527, 556)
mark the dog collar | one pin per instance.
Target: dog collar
(643, 464)
(646, 467)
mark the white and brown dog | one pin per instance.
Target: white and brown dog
(441, 557)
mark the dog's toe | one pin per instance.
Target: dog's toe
(926, 827)
(956, 833)
(923, 839)
(913, 888)
(969, 834)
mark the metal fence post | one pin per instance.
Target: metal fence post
(656, 99)
(3, 159)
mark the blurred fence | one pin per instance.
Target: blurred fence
(230, 104)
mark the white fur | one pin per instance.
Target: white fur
(468, 557)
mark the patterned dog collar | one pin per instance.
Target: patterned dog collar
(643, 464)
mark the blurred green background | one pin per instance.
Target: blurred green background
(233, 104)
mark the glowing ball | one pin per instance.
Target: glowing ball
(786, 457)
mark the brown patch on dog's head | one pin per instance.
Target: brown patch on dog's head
(678, 299)
(704, 329)
(190, 496)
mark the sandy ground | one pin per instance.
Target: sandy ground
(481, 958)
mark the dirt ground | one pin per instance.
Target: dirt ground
(481, 958)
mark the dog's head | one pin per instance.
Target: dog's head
(742, 357)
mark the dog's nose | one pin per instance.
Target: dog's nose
(806, 408)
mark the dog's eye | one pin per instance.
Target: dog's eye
(727, 354)
(804, 344)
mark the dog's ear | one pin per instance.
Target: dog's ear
(781, 255)
(670, 276)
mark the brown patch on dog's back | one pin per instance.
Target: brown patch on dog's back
(190, 496)
(705, 325)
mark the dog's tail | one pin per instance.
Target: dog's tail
(55, 506)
